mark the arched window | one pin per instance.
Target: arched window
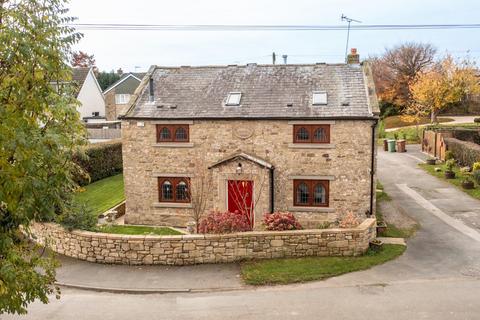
(181, 134)
(167, 191)
(165, 134)
(319, 135)
(318, 194)
(302, 134)
(302, 193)
(311, 193)
(181, 193)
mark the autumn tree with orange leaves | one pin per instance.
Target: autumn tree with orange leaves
(443, 84)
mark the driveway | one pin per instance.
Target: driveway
(438, 277)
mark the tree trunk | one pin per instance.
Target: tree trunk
(433, 117)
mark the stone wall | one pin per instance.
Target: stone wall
(196, 249)
(345, 162)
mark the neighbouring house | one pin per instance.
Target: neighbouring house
(118, 94)
(92, 108)
(298, 138)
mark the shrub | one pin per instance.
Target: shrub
(466, 153)
(280, 221)
(449, 155)
(349, 220)
(224, 222)
(476, 120)
(476, 176)
(78, 217)
(381, 129)
(476, 166)
(101, 160)
(449, 164)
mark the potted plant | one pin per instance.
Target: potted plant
(381, 227)
(467, 183)
(376, 245)
(431, 161)
(449, 173)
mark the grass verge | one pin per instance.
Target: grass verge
(405, 121)
(392, 230)
(138, 230)
(291, 270)
(102, 195)
(459, 177)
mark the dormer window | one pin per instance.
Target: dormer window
(233, 99)
(319, 98)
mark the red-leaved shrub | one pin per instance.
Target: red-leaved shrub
(280, 221)
(224, 222)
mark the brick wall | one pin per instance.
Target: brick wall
(196, 249)
(346, 162)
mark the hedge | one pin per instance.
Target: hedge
(468, 135)
(466, 153)
(101, 160)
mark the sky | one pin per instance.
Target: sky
(138, 50)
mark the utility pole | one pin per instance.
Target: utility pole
(349, 20)
(274, 57)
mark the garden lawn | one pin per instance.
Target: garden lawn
(138, 230)
(102, 195)
(283, 271)
(459, 176)
(405, 121)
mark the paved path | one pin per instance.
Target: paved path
(438, 277)
(456, 120)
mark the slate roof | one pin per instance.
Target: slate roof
(130, 88)
(79, 74)
(200, 92)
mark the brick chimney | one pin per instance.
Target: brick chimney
(353, 57)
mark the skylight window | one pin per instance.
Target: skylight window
(319, 98)
(233, 99)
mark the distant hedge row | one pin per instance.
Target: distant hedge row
(101, 160)
(466, 153)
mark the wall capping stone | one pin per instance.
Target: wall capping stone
(311, 145)
(204, 248)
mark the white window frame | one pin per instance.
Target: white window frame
(122, 98)
(236, 102)
(322, 98)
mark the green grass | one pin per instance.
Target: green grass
(392, 230)
(138, 230)
(291, 270)
(405, 121)
(459, 177)
(102, 195)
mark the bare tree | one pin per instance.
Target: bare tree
(241, 198)
(394, 71)
(200, 187)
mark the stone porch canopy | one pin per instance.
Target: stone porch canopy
(244, 156)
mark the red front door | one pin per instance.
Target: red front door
(240, 197)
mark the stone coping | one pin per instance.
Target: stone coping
(367, 223)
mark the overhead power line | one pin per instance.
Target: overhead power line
(173, 27)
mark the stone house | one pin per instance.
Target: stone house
(298, 138)
(117, 95)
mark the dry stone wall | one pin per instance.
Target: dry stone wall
(197, 249)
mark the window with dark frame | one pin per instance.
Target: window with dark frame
(173, 133)
(311, 193)
(311, 133)
(174, 190)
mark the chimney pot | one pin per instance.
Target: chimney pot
(353, 57)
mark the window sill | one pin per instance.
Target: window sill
(311, 146)
(311, 209)
(173, 145)
(172, 205)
